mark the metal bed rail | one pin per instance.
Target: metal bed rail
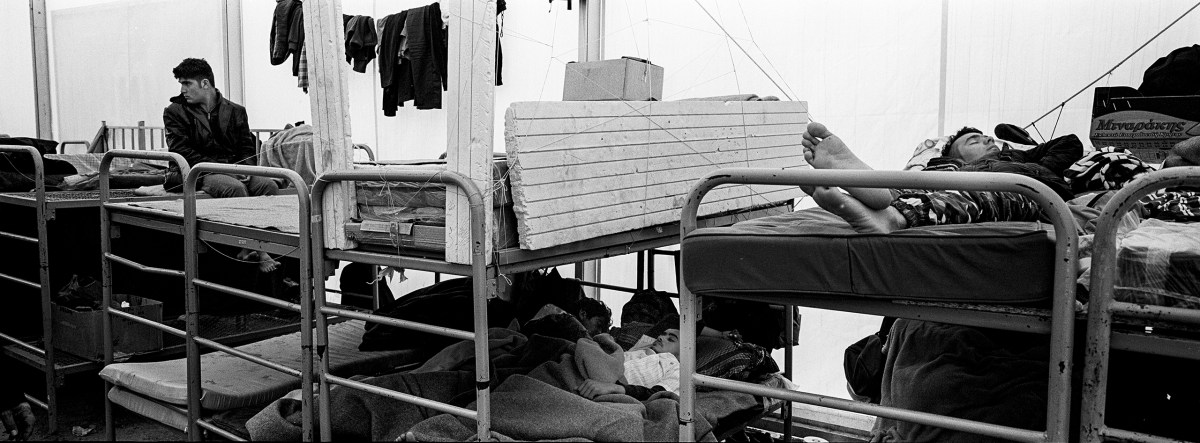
(477, 271)
(1103, 308)
(1062, 323)
(141, 137)
(42, 285)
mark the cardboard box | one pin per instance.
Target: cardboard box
(626, 78)
(82, 332)
(1147, 126)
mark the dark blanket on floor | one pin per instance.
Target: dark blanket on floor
(972, 373)
(533, 398)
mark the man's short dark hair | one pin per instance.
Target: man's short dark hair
(590, 307)
(194, 69)
(961, 132)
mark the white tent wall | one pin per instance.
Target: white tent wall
(113, 61)
(1012, 61)
(17, 117)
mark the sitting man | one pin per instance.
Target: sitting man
(878, 210)
(651, 366)
(203, 126)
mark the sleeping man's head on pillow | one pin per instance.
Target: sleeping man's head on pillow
(970, 144)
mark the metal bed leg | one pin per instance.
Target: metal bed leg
(49, 359)
(479, 265)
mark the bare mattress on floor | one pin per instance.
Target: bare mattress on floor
(815, 252)
(230, 382)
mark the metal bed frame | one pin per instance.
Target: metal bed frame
(197, 424)
(1103, 310)
(1059, 324)
(506, 261)
(510, 261)
(47, 205)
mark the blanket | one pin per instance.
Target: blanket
(291, 148)
(992, 376)
(528, 403)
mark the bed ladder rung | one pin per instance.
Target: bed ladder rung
(135, 265)
(21, 281)
(9, 235)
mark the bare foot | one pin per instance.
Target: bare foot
(860, 217)
(266, 263)
(247, 255)
(823, 150)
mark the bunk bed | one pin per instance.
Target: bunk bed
(192, 283)
(239, 221)
(68, 217)
(812, 260)
(1114, 303)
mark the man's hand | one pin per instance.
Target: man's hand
(591, 389)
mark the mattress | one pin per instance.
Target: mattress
(230, 382)
(1159, 264)
(815, 252)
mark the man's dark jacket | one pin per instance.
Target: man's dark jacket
(190, 135)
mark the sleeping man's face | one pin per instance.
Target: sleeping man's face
(667, 343)
(971, 147)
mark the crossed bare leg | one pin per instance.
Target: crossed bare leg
(868, 210)
(823, 150)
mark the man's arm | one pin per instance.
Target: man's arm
(178, 140)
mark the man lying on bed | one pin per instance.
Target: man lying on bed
(881, 210)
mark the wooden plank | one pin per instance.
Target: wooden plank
(469, 106)
(652, 164)
(540, 110)
(650, 202)
(329, 100)
(586, 169)
(557, 158)
(545, 239)
(573, 141)
(563, 190)
(637, 123)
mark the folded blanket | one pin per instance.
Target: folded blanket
(292, 149)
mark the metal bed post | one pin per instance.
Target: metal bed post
(106, 256)
(1058, 406)
(1102, 307)
(43, 285)
(192, 281)
(482, 414)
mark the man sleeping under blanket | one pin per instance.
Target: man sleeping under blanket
(543, 387)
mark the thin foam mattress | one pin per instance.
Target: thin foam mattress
(814, 252)
(230, 382)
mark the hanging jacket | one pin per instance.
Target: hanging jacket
(285, 40)
(360, 42)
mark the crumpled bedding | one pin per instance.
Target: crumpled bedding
(533, 398)
(992, 376)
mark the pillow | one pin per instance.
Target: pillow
(925, 151)
(718, 357)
